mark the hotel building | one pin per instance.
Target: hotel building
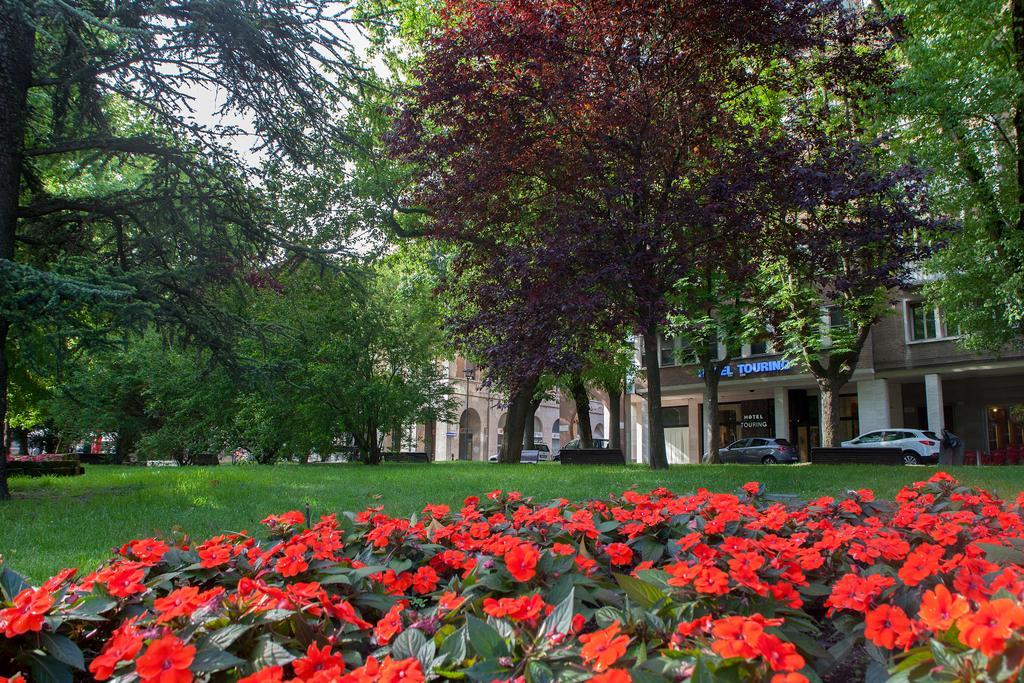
(911, 374)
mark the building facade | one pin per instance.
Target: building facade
(479, 430)
(911, 374)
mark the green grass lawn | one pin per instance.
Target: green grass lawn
(76, 521)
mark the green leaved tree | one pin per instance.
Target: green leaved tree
(118, 205)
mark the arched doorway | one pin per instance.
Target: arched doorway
(469, 435)
(599, 431)
(538, 431)
(502, 421)
(556, 436)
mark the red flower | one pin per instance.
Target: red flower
(294, 560)
(27, 614)
(921, 563)
(124, 644)
(450, 601)
(521, 561)
(166, 660)
(612, 676)
(401, 671)
(390, 624)
(619, 553)
(780, 655)
(270, 674)
(989, 628)
(712, 580)
(855, 592)
(789, 678)
(56, 581)
(888, 626)
(149, 551)
(940, 608)
(387, 671)
(603, 648)
(123, 579)
(522, 608)
(424, 580)
(316, 660)
(285, 521)
(183, 602)
(216, 552)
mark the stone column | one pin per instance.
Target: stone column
(693, 406)
(781, 413)
(873, 407)
(643, 439)
(627, 426)
(896, 404)
(933, 401)
(441, 441)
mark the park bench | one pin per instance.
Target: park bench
(67, 466)
(417, 457)
(592, 456)
(857, 456)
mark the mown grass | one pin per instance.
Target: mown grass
(63, 522)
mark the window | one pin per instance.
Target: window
(758, 348)
(924, 321)
(871, 437)
(757, 443)
(836, 318)
(742, 443)
(668, 351)
(674, 351)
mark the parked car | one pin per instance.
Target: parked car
(529, 456)
(758, 450)
(919, 447)
(574, 445)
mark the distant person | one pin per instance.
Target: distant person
(954, 445)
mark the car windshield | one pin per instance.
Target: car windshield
(931, 435)
(783, 442)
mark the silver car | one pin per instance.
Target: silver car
(758, 450)
(528, 456)
(920, 447)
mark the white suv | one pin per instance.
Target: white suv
(919, 447)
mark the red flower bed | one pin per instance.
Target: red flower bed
(642, 587)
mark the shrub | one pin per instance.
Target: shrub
(641, 587)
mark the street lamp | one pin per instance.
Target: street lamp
(470, 373)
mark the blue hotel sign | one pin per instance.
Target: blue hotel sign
(761, 367)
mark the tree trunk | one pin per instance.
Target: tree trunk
(712, 432)
(656, 428)
(515, 424)
(582, 399)
(614, 416)
(17, 42)
(123, 445)
(21, 435)
(529, 437)
(1018, 116)
(829, 387)
(367, 444)
(5, 492)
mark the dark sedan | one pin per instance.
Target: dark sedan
(758, 450)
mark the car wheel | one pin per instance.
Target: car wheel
(910, 458)
(769, 460)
